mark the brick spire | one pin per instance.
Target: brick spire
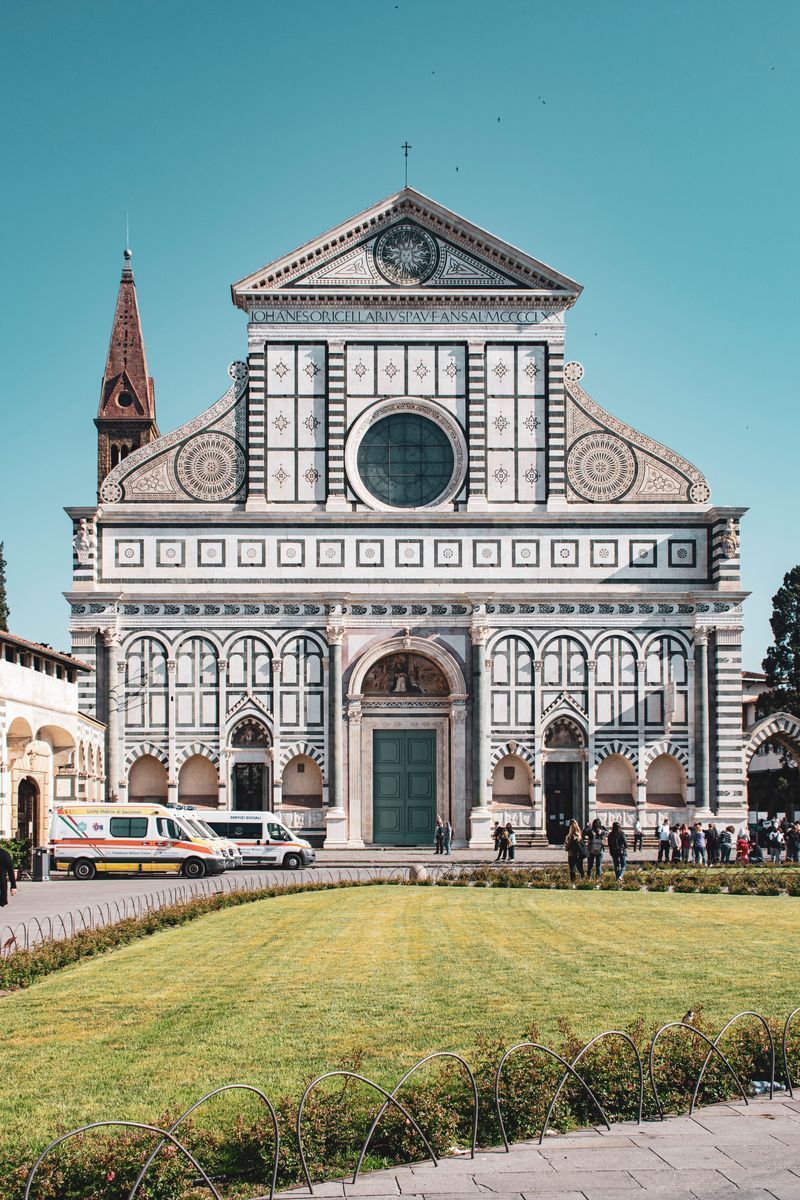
(126, 417)
(127, 388)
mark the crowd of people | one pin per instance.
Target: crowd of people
(712, 846)
(681, 843)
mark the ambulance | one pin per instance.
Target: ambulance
(262, 838)
(142, 839)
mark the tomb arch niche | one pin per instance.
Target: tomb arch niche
(406, 698)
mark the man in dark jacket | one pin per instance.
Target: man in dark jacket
(8, 880)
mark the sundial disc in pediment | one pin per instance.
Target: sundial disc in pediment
(405, 255)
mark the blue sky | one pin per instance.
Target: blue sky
(645, 149)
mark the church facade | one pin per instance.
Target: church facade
(406, 565)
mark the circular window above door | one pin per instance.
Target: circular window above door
(406, 454)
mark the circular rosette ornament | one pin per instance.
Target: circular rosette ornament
(406, 254)
(601, 467)
(211, 466)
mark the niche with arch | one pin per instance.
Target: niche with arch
(147, 780)
(512, 783)
(615, 782)
(198, 782)
(301, 783)
(666, 782)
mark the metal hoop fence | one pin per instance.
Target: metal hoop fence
(390, 1098)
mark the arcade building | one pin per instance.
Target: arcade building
(406, 565)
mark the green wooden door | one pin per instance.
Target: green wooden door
(404, 786)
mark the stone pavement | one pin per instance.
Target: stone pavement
(726, 1151)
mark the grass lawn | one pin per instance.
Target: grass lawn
(274, 992)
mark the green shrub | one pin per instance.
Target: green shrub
(20, 851)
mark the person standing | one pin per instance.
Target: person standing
(596, 846)
(8, 880)
(438, 836)
(512, 842)
(726, 844)
(663, 841)
(618, 847)
(496, 837)
(675, 844)
(447, 836)
(575, 850)
(776, 843)
(712, 844)
(686, 841)
(638, 835)
(502, 843)
(793, 843)
(699, 844)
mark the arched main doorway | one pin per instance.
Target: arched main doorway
(406, 747)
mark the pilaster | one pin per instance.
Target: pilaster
(111, 644)
(172, 755)
(256, 425)
(222, 708)
(476, 423)
(336, 499)
(480, 815)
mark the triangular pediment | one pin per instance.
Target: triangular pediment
(406, 243)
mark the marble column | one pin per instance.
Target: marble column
(222, 708)
(111, 643)
(701, 719)
(335, 816)
(277, 777)
(480, 815)
(172, 752)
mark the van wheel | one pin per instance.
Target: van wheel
(292, 862)
(193, 868)
(84, 869)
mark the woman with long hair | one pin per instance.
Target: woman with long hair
(575, 850)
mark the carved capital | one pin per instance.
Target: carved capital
(701, 635)
(334, 634)
(171, 665)
(641, 663)
(537, 665)
(277, 665)
(111, 638)
(222, 665)
(479, 633)
(591, 664)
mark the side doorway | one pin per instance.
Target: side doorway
(561, 799)
(248, 786)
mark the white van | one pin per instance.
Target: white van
(262, 838)
(193, 818)
(140, 838)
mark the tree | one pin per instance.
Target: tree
(5, 612)
(782, 664)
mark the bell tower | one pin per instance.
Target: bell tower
(126, 418)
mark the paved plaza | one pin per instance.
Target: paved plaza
(64, 894)
(724, 1151)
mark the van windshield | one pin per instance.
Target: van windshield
(277, 832)
(192, 830)
(205, 829)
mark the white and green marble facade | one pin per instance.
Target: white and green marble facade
(573, 576)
